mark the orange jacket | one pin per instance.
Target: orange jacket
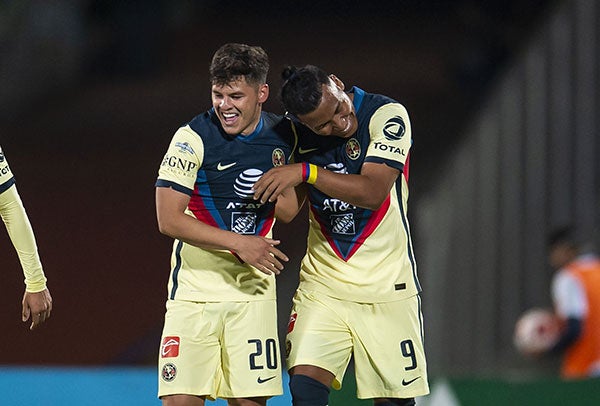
(584, 352)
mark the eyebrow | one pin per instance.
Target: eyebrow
(337, 108)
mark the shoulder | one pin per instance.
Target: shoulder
(204, 123)
(272, 119)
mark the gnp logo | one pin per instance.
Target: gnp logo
(245, 182)
(178, 163)
(394, 128)
(169, 347)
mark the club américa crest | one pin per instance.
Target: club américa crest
(278, 157)
(353, 149)
(169, 372)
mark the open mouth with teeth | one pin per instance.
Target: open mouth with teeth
(229, 118)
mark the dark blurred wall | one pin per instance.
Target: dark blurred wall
(86, 155)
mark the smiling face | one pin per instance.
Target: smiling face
(335, 115)
(238, 105)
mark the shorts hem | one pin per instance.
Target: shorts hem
(394, 395)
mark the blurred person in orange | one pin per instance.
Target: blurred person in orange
(576, 298)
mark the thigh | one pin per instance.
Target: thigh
(251, 355)
(318, 335)
(189, 356)
(389, 353)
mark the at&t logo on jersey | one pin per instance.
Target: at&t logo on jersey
(336, 205)
(337, 167)
(169, 347)
(244, 183)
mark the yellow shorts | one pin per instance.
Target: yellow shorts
(386, 340)
(224, 349)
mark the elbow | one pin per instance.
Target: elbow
(373, 203)
(165, 227)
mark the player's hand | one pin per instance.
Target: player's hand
(261, 253)
(276, 180)
(38, 306)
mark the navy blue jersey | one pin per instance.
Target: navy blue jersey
(356, 253)
(218, 171)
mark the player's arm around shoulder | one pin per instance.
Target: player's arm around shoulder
(289, 203)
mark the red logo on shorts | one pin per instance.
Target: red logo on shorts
(292, 322)
(169, 347)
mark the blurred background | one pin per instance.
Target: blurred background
(503, 98)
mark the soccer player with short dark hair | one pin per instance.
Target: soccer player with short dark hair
(220, 333)
(358, 293)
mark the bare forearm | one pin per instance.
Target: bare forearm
(196, 233)
(358, 190)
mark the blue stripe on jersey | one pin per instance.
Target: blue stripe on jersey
(422, 331)
(359, 94)
(204, 193)
(176, 269)
(174, 186)
(407, 231)
(254, 133)
(7, 184)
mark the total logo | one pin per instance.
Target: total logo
(394, 128)
(244, 183)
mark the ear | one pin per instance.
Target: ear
(337, 81)
(263, 93)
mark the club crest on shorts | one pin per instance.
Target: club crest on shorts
(278, 157)
(169, 372)
(353, 149)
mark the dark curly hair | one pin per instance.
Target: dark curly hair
(302, 91)
(234, 61)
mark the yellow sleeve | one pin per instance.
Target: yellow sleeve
(391, 135)
(21, 234)
(183, 158)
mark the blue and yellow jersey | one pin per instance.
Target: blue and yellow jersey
(218, 172)
(354, 253)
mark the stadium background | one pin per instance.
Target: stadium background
(503, 98)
